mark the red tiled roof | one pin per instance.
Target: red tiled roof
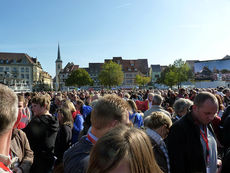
(17, 56)
(137, 65)
(69, 68)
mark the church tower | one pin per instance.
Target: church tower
(58, 69)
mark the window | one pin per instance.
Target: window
(128, 75)
(157, 76)
(14, 69)
(27, 76)
(22, 76)
(132, 63)
(7, 68)
(22, 69)
(1, 69)
(129, 81)
(27, 69)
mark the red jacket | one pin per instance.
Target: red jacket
(142, 105)
(23, 121)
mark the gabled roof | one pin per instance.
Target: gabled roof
(129, 65)
(132, 65)
(18, 57)
(69, 68)
(143, 66)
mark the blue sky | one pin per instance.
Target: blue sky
(92, 30)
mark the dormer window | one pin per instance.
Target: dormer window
(24, 61)
(132, 63)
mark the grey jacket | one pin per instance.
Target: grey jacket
(156, 108)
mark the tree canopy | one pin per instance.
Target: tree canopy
(111, 74)
(175, 74)
(79, 77)
(142, 80)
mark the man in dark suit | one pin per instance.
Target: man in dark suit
(191, 141)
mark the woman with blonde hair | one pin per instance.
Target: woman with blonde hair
(77, 118)
(123, 149)
(68, 104)
(134, 115)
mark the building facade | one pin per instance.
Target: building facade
(19, 69)
(94, 71)
(130, 69)
(155, 72)
(64, 74)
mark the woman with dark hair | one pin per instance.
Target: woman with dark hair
(64, 136)
(128, 150)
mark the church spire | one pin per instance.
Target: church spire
(58, 54)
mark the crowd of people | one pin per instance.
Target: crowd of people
(115, 131)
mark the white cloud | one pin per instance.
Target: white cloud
(124, 5)
(189, 26)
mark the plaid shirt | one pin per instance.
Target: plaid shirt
(158, 139)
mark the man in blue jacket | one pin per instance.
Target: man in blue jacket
(107, 113)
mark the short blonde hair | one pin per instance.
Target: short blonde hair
(156, 120)
(108, 108)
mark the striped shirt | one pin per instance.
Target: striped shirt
(160, 142)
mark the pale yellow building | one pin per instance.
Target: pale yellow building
(19, 69)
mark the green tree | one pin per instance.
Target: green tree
(111, 74)
(176, 73)
(142, 80)
(225, 71)
(183, 72)
(170, 79)
(79, 77)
